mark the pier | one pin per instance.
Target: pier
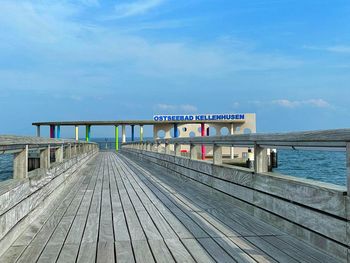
(150, 202)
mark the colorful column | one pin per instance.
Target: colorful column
(87, 132)
(76, 132)
(116, 138)
(58, 131)
(232, 149)
(38, 130)
(141, 133)
(123, 134)
(203, 134)
(52, 131)
(176, 132)
(132, 133)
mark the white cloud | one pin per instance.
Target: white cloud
(50, 46)
(170, 108)
(136, 8)
(318, 103)
(334, 49)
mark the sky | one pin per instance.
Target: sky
(288, 61)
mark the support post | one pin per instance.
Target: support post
(87, 132)
(52, 131)
(232, 149)
(116, 138)
(38, 130)
(123, 134)
(158, 147)
(148, 147)
(58, 131)
(59, 154)
(132, 133)
(45, 158)
(176, 132)
(217, 154)
(167, 148)
(260, 159)
(69, 151)
(177, 149)
(348, 167)
(203, 146)
(141, 133)
(193, 152)
(76, 132)
(20, 164)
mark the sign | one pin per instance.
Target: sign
(199, 117)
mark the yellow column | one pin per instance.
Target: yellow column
(76, 132)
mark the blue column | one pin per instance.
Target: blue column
(176, 132)
(132, 133)
(58, 131)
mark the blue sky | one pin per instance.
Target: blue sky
(286, 60)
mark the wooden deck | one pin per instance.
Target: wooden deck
(118, 211)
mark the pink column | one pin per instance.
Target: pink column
(203, 134)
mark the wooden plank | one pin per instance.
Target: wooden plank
(173, 222)
(252, 250)
(160, 251)
(68, 253)
(12, 254)
(197, 251)
(190, 190)
(142, 251)
(299, 255)
(87, 252)
(35, 248)
(50, 254)
(263, 256)
(179, 251)
(234, 251)
(105, 252)
(215, 250)
(270, 249)
(306, 248)
(123, 250)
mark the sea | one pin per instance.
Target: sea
(327, 166)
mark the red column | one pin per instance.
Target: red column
(52, 131)
(203, 134)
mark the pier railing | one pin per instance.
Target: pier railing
(45, 151)
(339, 138)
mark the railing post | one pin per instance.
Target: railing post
(20, 164)
(167, 147)
(260, 159)
(158, 147)
(148, 146)
(59, 154)
(193, 152)
(348, 167)
(177, 149)
(45, 158)
(217, 154)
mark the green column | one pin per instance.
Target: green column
(87, 133)
(116, 138)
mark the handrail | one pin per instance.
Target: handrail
(325, 138)
(10, 143)
(259, 142)
(61, 149)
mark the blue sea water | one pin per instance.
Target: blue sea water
(326, 166)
